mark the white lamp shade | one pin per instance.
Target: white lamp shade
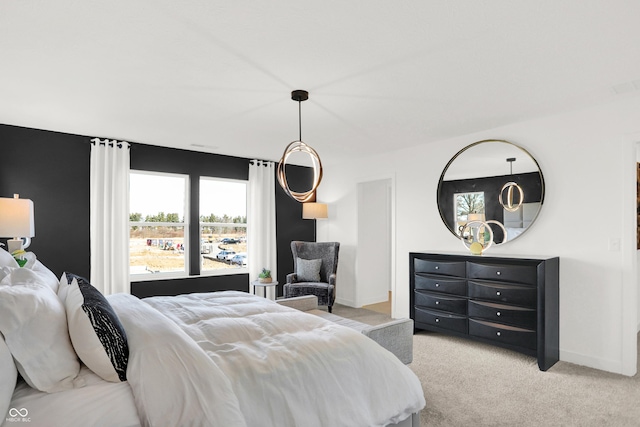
(312, 210)
(475, 217)
(16, 218)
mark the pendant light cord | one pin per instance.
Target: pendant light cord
(300, 120)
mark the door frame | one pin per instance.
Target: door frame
(391, 177)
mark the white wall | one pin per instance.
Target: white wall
(588, 161)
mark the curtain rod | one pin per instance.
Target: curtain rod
(111, 143)
(264, 162)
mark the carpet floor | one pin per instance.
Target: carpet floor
(472, 384)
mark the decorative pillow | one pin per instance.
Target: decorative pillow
(308, 270)
(96, 332)
(34, 325)
(8, 377)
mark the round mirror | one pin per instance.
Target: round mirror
(493, 181)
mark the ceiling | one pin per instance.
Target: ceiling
(217, 76)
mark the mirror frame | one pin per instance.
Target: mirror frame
(465, 149)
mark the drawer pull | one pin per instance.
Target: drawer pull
(498, 333)
(437, 285)
(498, 273)
(498, 293)
(437, 320)
(437, 267)
(437, 302)
(498, 314)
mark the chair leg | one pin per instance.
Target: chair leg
(329, 308)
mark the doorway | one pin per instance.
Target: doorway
(375, 248)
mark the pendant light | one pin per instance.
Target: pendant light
(300, 146)
(510, 186)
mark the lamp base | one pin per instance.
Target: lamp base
(14, 245)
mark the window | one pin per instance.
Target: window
(158, 224)
(466, 205)
(223, 225)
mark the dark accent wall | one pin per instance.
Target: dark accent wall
(531, 184)
(289, 222)
(52, 169)
(162, 159)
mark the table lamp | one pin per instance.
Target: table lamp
(313, 210)
(16, 221)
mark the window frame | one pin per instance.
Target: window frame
(189, 271)
(185, 224)
(223, 271)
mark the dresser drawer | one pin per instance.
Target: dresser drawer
(526, 274)
(512, 315)
(441, 319)
(446, 268)
(502, 333)
(441, 302)
(441, 284)
(511, 294)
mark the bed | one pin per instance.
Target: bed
(211, 359)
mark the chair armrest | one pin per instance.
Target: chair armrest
(303, 303)
(396, 336)
(292, 278)
(332, 279)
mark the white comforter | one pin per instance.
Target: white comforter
(289, 368)
(233, 359)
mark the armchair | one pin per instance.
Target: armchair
(315, 265)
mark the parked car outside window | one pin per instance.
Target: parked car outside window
(225, 255)
(239, 259)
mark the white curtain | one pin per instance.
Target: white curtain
(261, 221)
(110, 216)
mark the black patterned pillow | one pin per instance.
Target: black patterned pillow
(95, 330)
(308, 270)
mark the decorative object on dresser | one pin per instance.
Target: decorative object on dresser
(508, 302)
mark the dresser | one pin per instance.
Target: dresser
(509, 302)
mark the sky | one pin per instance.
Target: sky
(152, 193)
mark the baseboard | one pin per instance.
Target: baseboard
(608, 365)
(347, 302)
(375, 299)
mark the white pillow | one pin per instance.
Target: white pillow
(8, 264)
(6, 260)
(8, 377)
(34, 325)
(45, 274)
(96, 332)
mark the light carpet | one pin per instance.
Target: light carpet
(472, 384)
